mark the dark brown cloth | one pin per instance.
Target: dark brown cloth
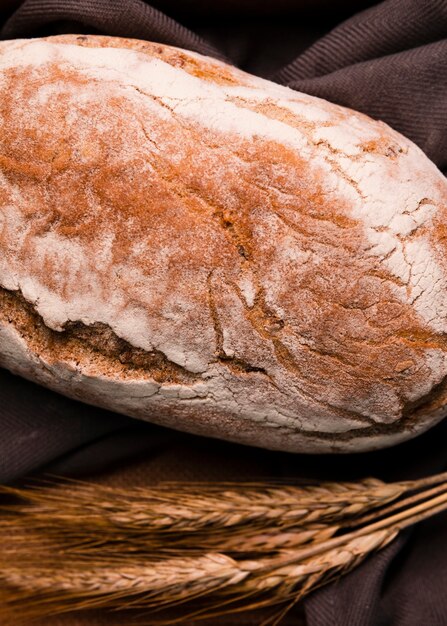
(389, 61)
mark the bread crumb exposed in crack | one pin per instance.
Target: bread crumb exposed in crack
(95, 343)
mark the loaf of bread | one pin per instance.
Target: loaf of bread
(194, 246)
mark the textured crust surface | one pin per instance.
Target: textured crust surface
(198, 247)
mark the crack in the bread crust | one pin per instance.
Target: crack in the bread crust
(297, 229)
(214, 317)
(412, 413)
(90, 339)
(305, 128)
(262, 320)
(178, 188)
(236, 364)
(340, 221)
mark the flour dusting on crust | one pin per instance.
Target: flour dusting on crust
(189, 244)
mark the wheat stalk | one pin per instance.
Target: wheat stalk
(211, 548)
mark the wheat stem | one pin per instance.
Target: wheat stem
(396, 506)
(398, 522)
(422, 483)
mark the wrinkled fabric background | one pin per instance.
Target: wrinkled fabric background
(389, 61)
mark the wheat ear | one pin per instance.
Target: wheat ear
(210, 549)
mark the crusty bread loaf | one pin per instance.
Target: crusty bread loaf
(194, 246)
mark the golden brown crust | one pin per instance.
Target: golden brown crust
(156, 243)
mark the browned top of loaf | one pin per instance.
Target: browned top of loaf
(203, 240)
